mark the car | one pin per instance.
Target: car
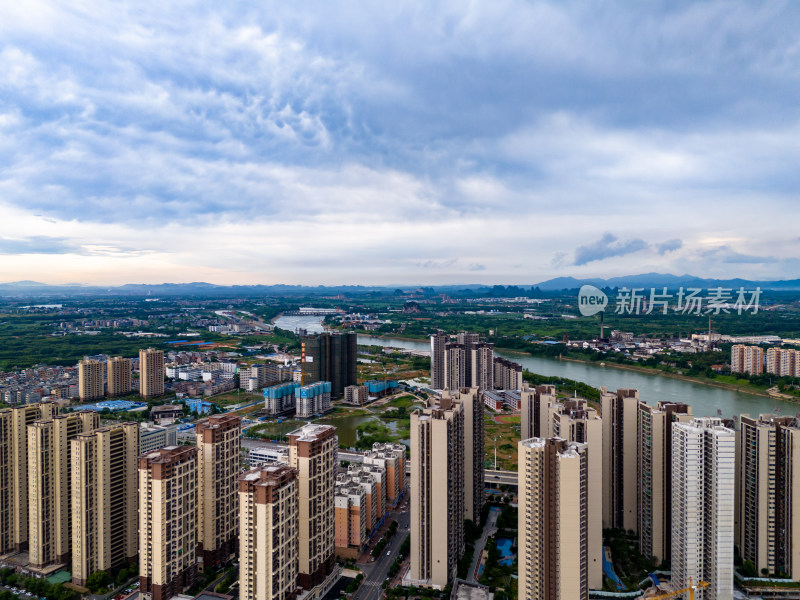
(388, 553)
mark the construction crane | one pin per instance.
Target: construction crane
(691, 589)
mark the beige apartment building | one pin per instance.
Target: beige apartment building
(471, 400)
(118, 376)
(783, 362)
(91, 380)
(437, 492)
(392, 458)
(167, 522)
(350, 517)
(654, 480)
(535, 415)
(105, 500)
(455, 366)
(620, 455)
(219, 458)
(49, 486)
(312, 452)
(268, 522)
(769, 493)
(575, 421)
(482, 366)
(553, 520)
(151, 373)
(369, 477)
(14, 472)
(747, 359)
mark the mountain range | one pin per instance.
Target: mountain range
(24, 289)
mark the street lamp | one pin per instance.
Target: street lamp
(495, 454)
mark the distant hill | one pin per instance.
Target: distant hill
(25, 289)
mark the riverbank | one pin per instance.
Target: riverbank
(700, 380)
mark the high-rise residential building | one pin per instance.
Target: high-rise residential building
(268, 522)
(747, 359)
(312, 452)
(535, 411)
(91, 380)
(49, 486)
(769, 493)
(119, 376)
(14, 471)
(620, 452)
(576, 421)
(280, 399)
(219, 458)
(703, 465)
(105, 528)
(482, 366)
(313, 399)
(507, 374)
(330, 357)
(437, 492)
(438, 343)
(151, 373)
(471, 400)
(469, 341)
(350, 517)
(654, 481)
(783, 362)
(553, 520)
(392, 458)
(455, 366)
(167, 522)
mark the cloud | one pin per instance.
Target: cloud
(394, 136)
(669, 246)
(606, 247)
(36, 245)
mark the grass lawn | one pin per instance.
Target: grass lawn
(508, 436)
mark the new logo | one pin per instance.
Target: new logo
(591, 300)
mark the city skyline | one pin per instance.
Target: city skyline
(376, 144)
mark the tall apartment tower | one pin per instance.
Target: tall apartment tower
(330, 357)
(769, 493)
(783, 362)
(507, 374)
(151, 373)
(481, 357)
(747, 359)
(268, 522)
(576, 421)
(620, 442)
(167, 522)
(455, 366)
(219, 457)
(350, 516)
(471, 400)
(553, 520)
(703, 465)
(14, 471)
(105, 503)
(49, 486)
(654, 481)
(437, 492)
(91, 382)
(119, 376)
(469, 341)
(535, 417)
(312, 452)
(438, 343)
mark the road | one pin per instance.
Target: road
(488, 530)
(376, 573)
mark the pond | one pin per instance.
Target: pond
(346, 427)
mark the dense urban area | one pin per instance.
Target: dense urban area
(405, 443)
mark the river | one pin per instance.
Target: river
(705, 400)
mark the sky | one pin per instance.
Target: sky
(389, 142)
